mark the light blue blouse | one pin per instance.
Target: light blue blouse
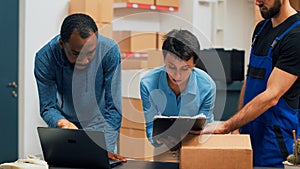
(158, 98)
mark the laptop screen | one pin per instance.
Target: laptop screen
(73, 148)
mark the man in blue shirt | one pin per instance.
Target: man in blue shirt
(78, 78)
(177, 88)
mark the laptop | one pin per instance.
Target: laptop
(73, 148)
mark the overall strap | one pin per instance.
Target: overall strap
(284, 33)
(258, 33)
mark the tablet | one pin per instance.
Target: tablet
(177, 125)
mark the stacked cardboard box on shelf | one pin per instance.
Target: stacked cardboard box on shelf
(100, 10)
(134, 63)
(155, 59)
(106, 11)
(133, 116)
(105, 29)
(148, 2)
(173, 3)
(160, 40)
(134, 144)
(132, 41)
(133, 131)
(148, 43)
(89, 7)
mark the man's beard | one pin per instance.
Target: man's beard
(272, 12)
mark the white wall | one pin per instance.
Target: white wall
(239, 25)
(203, 21)
(182, 19)
(191, 16)
(40, 20)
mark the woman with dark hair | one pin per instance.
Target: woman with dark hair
(178, 88)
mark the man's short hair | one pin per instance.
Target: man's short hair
(83, 23)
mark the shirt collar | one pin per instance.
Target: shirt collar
(192, 86)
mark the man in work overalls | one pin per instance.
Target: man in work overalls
(269, 101)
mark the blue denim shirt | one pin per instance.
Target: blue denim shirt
(157, 97)
(90, 98)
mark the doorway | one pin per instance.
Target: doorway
(9, 19)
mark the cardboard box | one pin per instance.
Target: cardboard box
(105, 29)
(291, 167)
(149, 2)
(173, 3)
(155, 59)
(132, 114)
(216, 152)
(160, 40)
(106, 11)
(134, 144)
(130, 41)
(99, 10)
(134, 63)
(89, 7)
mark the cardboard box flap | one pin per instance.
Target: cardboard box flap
(220, 141)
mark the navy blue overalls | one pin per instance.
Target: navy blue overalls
(271, 133)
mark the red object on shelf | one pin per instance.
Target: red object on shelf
(152, 7)
(135, 54)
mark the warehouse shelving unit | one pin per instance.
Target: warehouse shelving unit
(134, 55)
(137, 18)
(145, 6)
